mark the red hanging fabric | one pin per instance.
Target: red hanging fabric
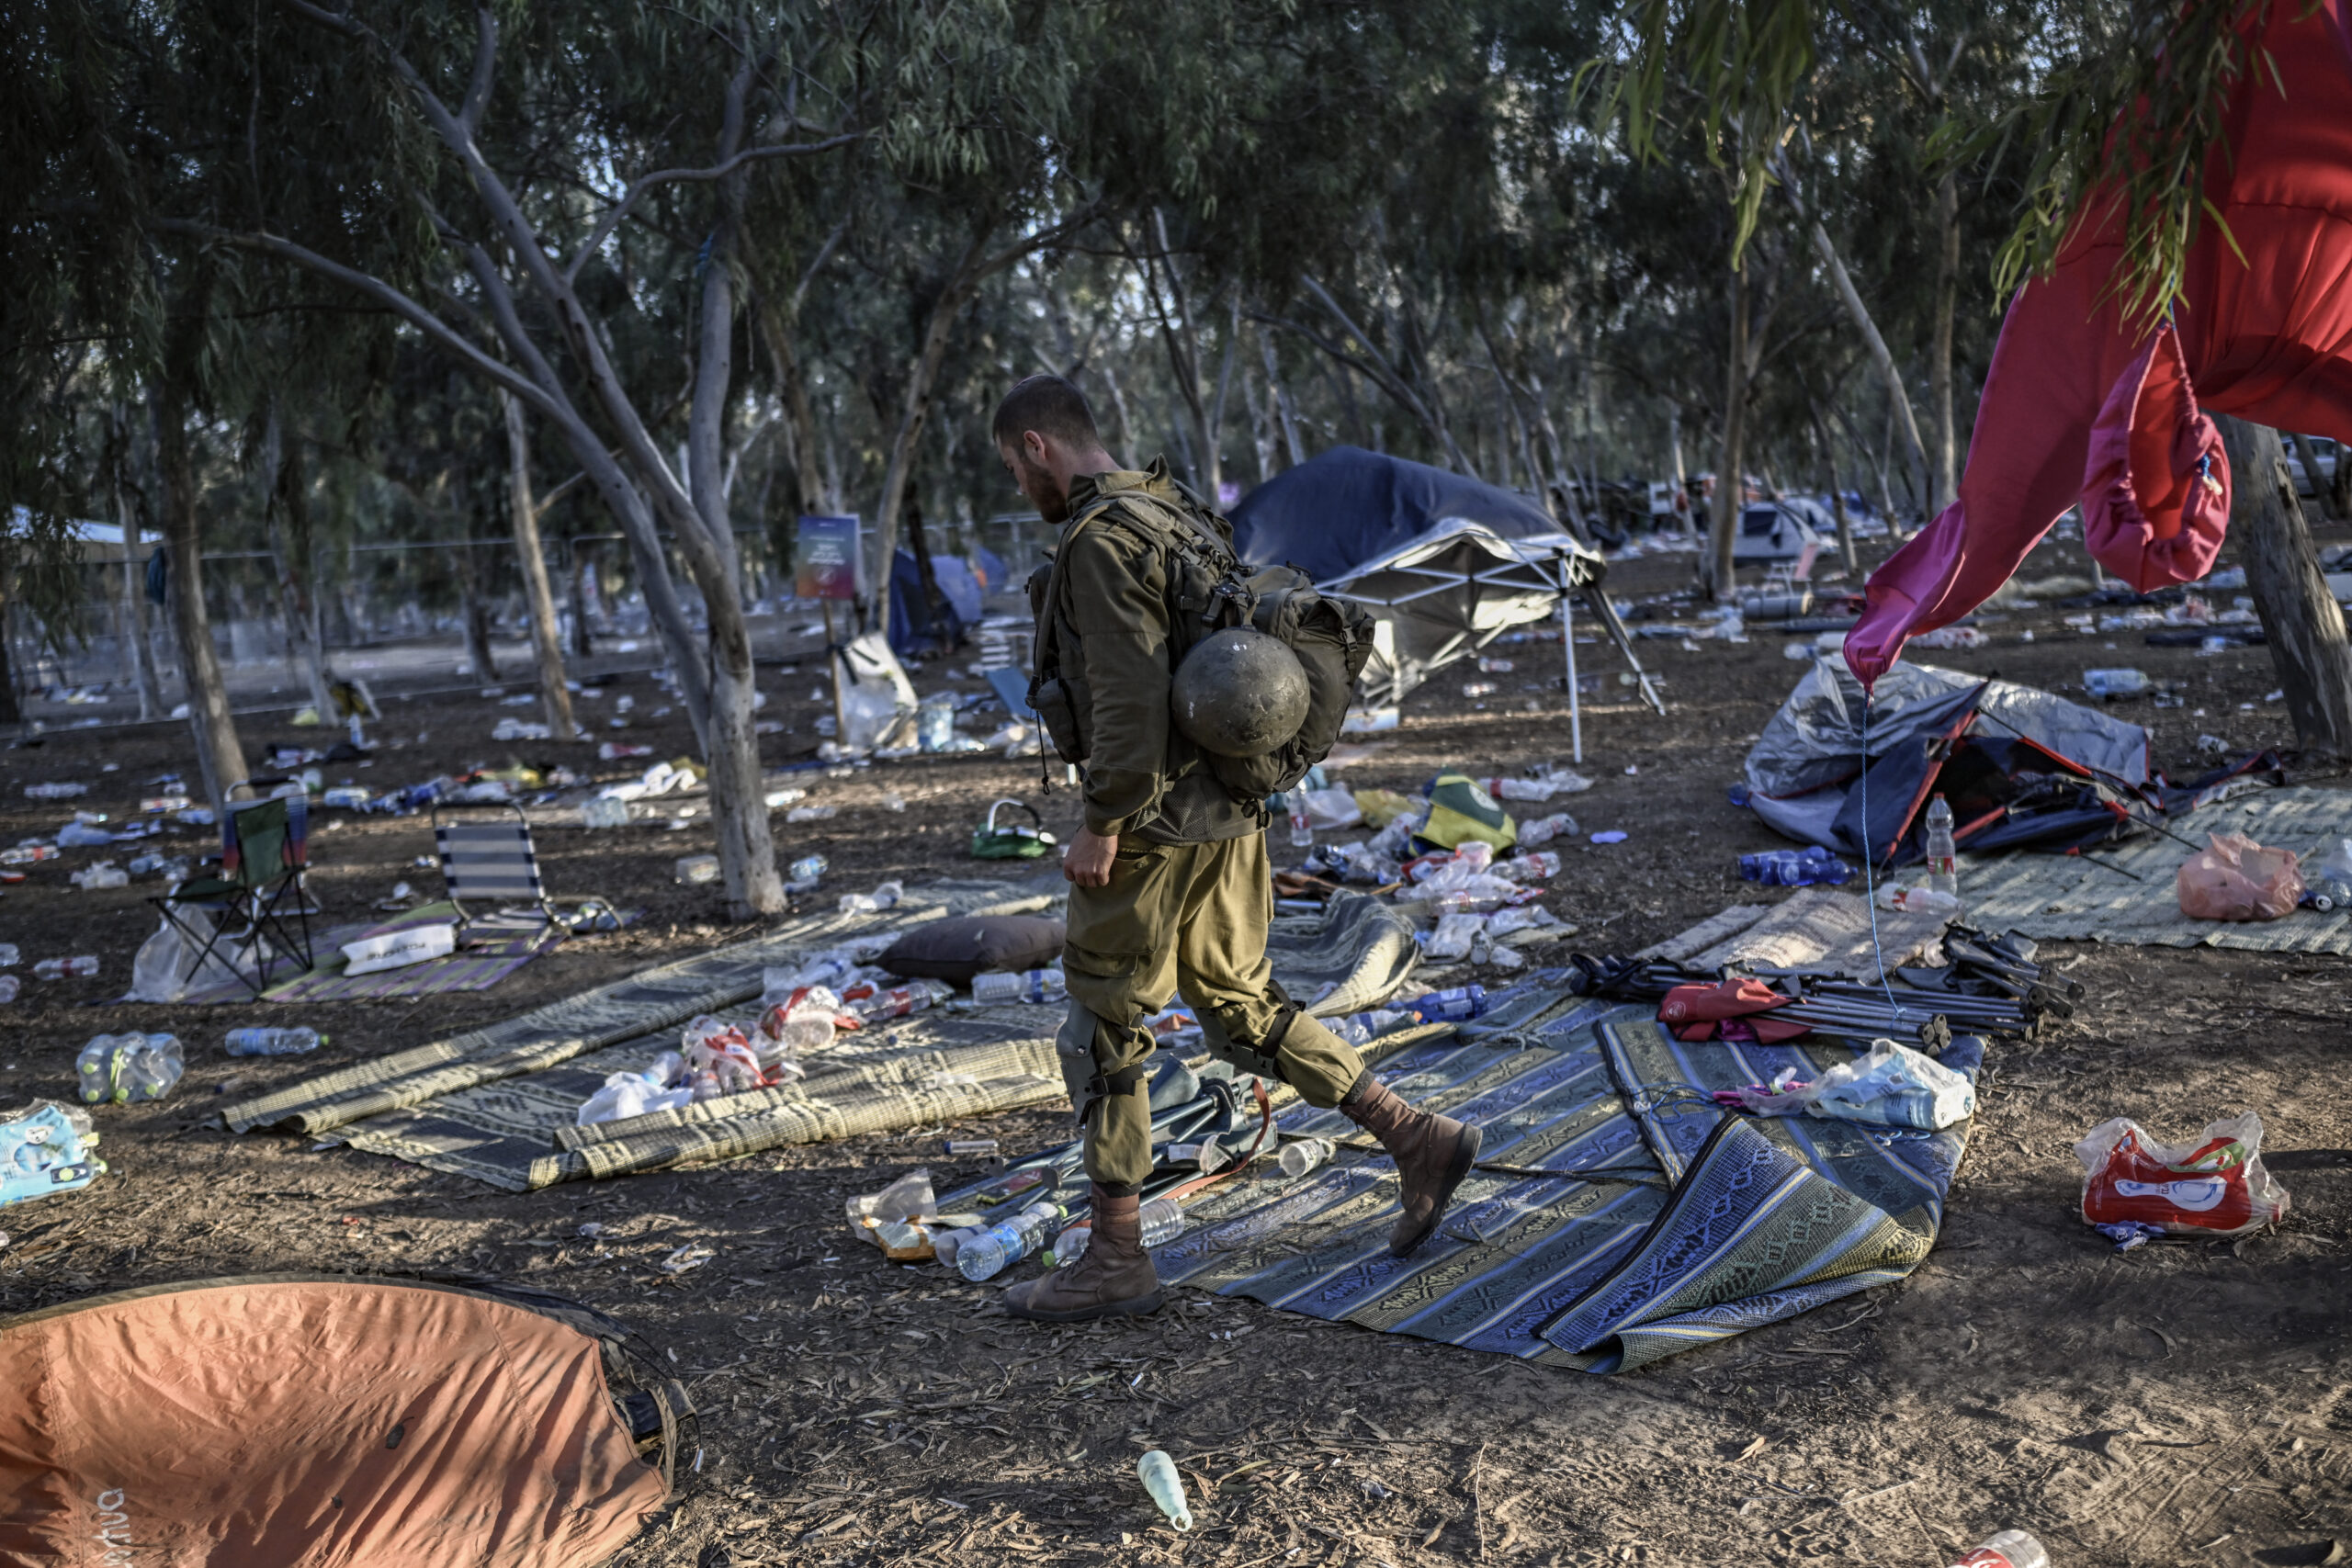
(2076, 402)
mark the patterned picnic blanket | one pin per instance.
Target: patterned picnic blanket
(2126, 893)
(1618, 1215)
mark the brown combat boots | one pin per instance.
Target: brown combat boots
(1432, 1154)
(1113, 1277)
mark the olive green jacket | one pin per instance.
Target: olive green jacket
(1140, 776)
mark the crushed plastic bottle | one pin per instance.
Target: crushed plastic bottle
(603, 811)
(2007, 1549)
(1302, 1154)
(79, 967)
(2115, 683)
(1543, 862)
(884, 897)
(281, 1042)
(1037, 986)
(26, 854)
(1157, 1472)
(898, 1001)
(1916, 901)
(1007, 1242)
(104, 873)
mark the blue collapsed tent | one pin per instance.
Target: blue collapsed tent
(1348, 506)
(916, 626)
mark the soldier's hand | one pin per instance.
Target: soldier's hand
(1089, 861)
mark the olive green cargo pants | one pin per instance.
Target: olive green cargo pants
(1187, 919)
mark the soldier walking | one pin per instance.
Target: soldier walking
(1171, 888)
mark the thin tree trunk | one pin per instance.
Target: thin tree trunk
(1826, 449)
(1945, 452)
(546, 638)
(1280, 399)
(1898, 399)
(1125, 453)
(583, 641)
(2303, 623)
(474, 614)
(134, 595)
(914, 413)
(290, 544)
(220, 758)
(2308, 452)
(1723, 513)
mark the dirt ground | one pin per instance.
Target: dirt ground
(2178, 1405)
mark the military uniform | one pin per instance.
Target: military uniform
(1191, 893)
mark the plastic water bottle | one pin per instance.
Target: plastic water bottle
(10, 987)
(1943, 856)
(1037, 986)
(10, 956)
(124, 1067)
(1796, 868)
(603, 811)
(1302, 1154)
(1004, 1244)
(1543, 862)
(1164, 1222)
(2009, 1549)
(291, 1041)
(1302, 828)
(80, 966)
(1157, 1472)
(1543, 830)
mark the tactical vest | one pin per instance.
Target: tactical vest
(1209, 590)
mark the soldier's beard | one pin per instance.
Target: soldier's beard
(1051, 496)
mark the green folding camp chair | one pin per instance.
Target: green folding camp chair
(256, 904)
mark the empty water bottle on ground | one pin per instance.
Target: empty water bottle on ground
(1157, 1472)
(1944, 855)
(290, 1042)
(10, 987)
(2115, 683)
(80, 968)
(1458, 1005)
(1164, 1222)
(603, 811)
(2009, 1549)
(1007, 1242)
(1302, 1154)
(1037, 986)
(10, 956)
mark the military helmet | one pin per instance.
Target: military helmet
(1239, 693)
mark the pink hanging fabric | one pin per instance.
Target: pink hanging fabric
(2077, 404)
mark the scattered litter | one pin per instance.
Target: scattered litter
(809, 814)
(399, 948)
(55, 790)
(2217, 1188)
(2108, 683)
(2238, 879)
(696, 870)
(1796, 868)
(1166, 1488)
(603, 811)
(44, 1148)
(120, 1068)
(691, 1256)
(1890, 1086)
(2007, 1549)
(79, 967)
(293, 1041)
(1613, 836)
(1951, 637)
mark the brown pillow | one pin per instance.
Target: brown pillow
(974, 945)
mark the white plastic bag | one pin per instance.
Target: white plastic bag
(156, 973)
(630, 1094)
(877, 700)
(1454, 936)
(1890, 1086)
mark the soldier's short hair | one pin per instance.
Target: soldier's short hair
(1051, 407)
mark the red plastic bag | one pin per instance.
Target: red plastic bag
(2238, 879)
(2217, 1188)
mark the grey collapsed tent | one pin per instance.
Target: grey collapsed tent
(2019, 767)
(1448, 563)
(282, 1419)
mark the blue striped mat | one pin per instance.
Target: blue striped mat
(1640, 1219)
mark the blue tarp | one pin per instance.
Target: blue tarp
(1348, 506)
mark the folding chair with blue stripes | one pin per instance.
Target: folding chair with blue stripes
(495, 863)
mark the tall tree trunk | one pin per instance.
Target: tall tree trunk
(1723, 510)
(2340, 488)
(1945, 439)
(546, 638)
(290, 544)
(2301, 618)
(1125, 451)
(914, 413)
(2322, 493)
(220, 758)
(1898, 399)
